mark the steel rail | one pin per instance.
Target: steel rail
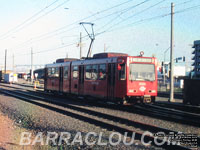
(106, 125)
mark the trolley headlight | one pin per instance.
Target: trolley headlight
(132, 91)
(153, 91)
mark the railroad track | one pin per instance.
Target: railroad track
(123, 125)
(146, 110)
(161, 94)
(187, 108)
(165, 94)
(30, 86)
(176, 114)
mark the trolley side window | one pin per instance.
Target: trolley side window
(122, 71)
(94, 72)
(53, 72)
(102, 72)
(88, 70)
(49, 72)
(75, 72)
(66, 72)
(56, 74)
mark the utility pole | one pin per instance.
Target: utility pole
(104, 47)
(80, 44)
(13, 63)
(31, 65)
(172, 56)
(164, 71)
(5, 61)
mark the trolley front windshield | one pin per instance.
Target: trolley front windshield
(141, 72)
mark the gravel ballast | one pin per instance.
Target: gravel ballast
(38, 119)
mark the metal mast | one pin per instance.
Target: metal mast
(80, 44)
(172, 56)
(32, 65)
(5, 61)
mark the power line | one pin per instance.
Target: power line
(29, 19)
(134, 23)
(140, 21)
(134, 6)
(155, 17)
(36, 39)
(185, 2)
(44, 15)
(76, 22)
(178, 4)
(145, 10)
(53, 49)
(97, 13)
(134, 14)
(33, 21)
(122, 11)
(187, 9)
(87, 17)
(147, 19)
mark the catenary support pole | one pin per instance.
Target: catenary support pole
(172, 56)
(80, 44)
(5, 61)
(31, 65)
(13, 63)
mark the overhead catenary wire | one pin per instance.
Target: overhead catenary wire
(21, 24)
(187, 9)
(179, 4)
(76, 22)
(85, 38)
(42, 38)
(152, 18)
(113, 13)
(89, 17)
(133, 14)
(124, 11)
(134, 23)
(148, 19)
(53, 49)
(185, 2)
(33, 21)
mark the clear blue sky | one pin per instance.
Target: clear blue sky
(53, 31)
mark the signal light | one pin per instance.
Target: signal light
(183, 58)
(161, 70)
(141, 53)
